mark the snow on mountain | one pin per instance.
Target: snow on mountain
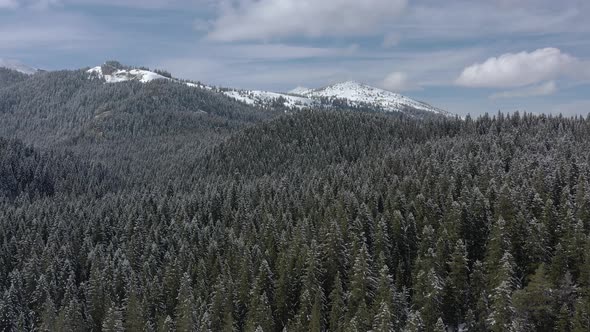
(18, 66)
(299, 90)
(117, 75)
(352, 93)
(265, 98)
(123, 75)
(359, 94)
(345, 94)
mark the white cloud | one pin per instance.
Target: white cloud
(269, 19)
(398, 81)
(544, 89)
(518, 69)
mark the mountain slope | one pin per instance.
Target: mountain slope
(362, 94)
(345, 95)
(10, 76)
(18, 66)
(133, 127)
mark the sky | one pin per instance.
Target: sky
(465, 56)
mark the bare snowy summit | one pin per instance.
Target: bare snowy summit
(123, 75)
(359, 94)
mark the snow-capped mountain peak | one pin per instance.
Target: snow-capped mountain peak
(122, 75)
(359, 94)
(349, 94)
(114, 72)
(18, 66)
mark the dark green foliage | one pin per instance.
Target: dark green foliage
(238, 219)
(9, 77)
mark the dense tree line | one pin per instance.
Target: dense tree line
(9, 77)
(312, 221)
(26, 172)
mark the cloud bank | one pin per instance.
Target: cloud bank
(271, 19)
(518, 69)
(398, 81)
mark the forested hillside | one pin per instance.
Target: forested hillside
(157, 207)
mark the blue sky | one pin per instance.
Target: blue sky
(467, 56)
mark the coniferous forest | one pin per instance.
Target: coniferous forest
(160, 207)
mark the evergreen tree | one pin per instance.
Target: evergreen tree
(501, 307)
(337, 306)
(185, 321)
(113, 321)
(457, 285)
(362, 284)
(535, 301)
(383, 318)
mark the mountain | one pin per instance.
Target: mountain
(18, 66)
(114, 72)
(123, 75)
(350, 94)
(271, 99)
(362, 94)
(345, 95)
(132, 127)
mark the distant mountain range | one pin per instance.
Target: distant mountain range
(350, 94)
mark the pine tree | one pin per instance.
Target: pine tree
(383, 318)
(498, 245)
(134, 317)
(185, 321)
(113, 320)
(501, 308)
(48, 319)
(337, 306)
(457, 285)
(259, 314)
(535, 301)
(440, 326)
(311, 301)
(362, 284)
(415, 323)
(384, 291)
(559, 265)
(581, 322)
(564, 319)
(70, 317)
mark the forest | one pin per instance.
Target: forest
(159, 207)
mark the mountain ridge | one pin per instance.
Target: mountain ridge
(348, 94)
(18, 66)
